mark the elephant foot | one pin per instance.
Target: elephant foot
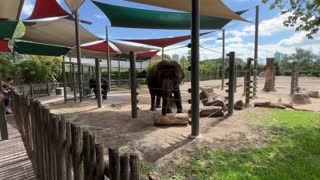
(169, 111)
(179, 111)
(153, 109)
(158, 107)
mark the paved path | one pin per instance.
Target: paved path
(14, 161)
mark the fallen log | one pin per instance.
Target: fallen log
(170, 119)
(211, 111)
(269, 105)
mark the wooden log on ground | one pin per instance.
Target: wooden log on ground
(114, 164)
(313, 94)
(300, 99)
(269, 105)
(134, 167)
(170, 119)
(211, 111)
(125, 167)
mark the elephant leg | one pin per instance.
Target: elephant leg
(169, 110)
(158, 102)
(177, 99)
(153, 101)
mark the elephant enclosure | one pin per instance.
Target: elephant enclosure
(114, 127)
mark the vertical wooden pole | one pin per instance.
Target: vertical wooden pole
(69, 158)
(223, 60)
(108, 59)
(256, 44)
(98, 83)
(134, 108)
(86, 155)
(64, 81)
(248, 82)
(3, 120)
(76, 16)
(231, 83)
(92, 157)
(125, 167)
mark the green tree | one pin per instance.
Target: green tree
(167, 57)
(7, 68)
(304, 15)
(184, 62)
(153, 63)
(33, 72)
(54, 65)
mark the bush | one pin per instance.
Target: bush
(33, 72)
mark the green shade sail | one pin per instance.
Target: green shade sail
(7, 29)
(148, 19)
(24, 47)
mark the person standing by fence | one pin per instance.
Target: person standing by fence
(7, 88)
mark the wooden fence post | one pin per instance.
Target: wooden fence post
(124, 167)
(92, 157)
(62, 150)
(134, 167)
(77, 152)
(86, 155)
(69, 161)
(114, 164)
(99, 162)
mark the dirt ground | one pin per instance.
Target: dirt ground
(114, 127)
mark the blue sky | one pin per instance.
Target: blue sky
(239, 35)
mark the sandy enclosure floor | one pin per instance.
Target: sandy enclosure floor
(114, 126)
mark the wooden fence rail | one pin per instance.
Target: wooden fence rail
(61, 150)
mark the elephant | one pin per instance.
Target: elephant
(163, 80)
(104, 86)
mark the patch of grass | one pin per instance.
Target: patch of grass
(293, 153)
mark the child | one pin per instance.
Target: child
(7, 88)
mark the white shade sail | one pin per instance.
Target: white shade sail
(85, 53)
(57, 32)
(74, 5)
(10, 9)
(214, 8)
(126, 48)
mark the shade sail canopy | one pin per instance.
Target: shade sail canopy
(59, 32)
(46, 9)
(126, 48)
(23, 47)
(74, 5)
(162, 42)
(213, 8)
(142, 56)
(101, 46)
(4, 46)
(140, 18)
(7, 29)
(10, 9)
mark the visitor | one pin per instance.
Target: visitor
(7, 88)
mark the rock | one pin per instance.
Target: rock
(154, 176)
(211, 111)
(239, 105)
(205, 97)
(300, 99)
(313, 94)
(170, 119)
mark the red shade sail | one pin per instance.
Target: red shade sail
(102, 47)
(4, 46)
(148, 54)
(163, 42)
(47, 9)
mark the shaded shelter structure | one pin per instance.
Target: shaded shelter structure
(10, 9)
(211, 8)
(52, 9)
(4, 46)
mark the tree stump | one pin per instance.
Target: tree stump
(269, 85)
(300, 99)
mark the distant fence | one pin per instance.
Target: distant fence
(61, 150)
(37, 90)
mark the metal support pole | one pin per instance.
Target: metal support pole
(195, 114)
(108, 59)
(76, 16)
(244, 82)
(74, 83)
(162, 56)
(248, 82)
(223, 60)
(64, 81)
(236, 77)
(3, 120)
(293, 76)
(256, 44)
(231, 83)
(98, 83)
(133, 84)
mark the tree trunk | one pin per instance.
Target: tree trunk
(269, 85)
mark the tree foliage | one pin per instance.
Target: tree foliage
(33, 72)
(54, 65)
(304, 15)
